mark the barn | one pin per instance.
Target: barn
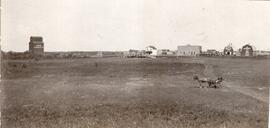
(247, 50)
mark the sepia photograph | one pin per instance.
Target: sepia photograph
(134, 63)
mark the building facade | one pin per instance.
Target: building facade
(262, 53)
(36, 46)
(211, 52)
(163, 51)
(247, 50)
(189, 50)
(228, 50)
(151, 50)
(238, 52)
(134, 54)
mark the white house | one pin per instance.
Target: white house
(151, 50)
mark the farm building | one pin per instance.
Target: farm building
(134, 54)
(87, 54)
(247, 50)
(262, 53)
(211, 52)
(228, 50)
(151, 50)
(238, 52)
(189, 50)
(163, 51)
(36, 46)
(171, 53)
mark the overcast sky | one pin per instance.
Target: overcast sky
(76, 25)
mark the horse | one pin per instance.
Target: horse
(211, 83)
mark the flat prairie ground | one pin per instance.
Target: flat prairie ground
(134, 93)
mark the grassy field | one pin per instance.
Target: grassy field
(134, 93)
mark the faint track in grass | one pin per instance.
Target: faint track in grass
(209, 71)
(247, 91)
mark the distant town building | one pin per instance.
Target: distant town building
(228, 50)
(262, 53)
(247, 50)
(134, 54)
(238, 52)
(36, 46)
(211, 52)
(189, 50)
(163, 51)
(171, 53)
(99, 54)
(151, 50)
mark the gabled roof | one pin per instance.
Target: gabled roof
(153, 47)
(247, 45)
